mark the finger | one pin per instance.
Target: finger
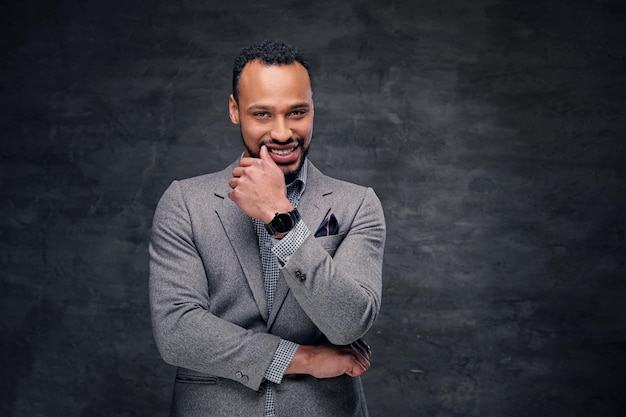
(356, 346)
(358, 360)
(360, 357)
(364, 346)
(237, 172)
(246, 161)
(264, 154)
(353, 349)
(357, 368)
(232, 183)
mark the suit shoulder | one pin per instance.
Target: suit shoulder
(333, 183)
(212, 182)
(199, 189)
(343, 187)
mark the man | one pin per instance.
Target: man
(265, 276)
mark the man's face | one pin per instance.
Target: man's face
(275, 109)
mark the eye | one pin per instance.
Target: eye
(261, 115)
(297, 113)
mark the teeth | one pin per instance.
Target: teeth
(282, 152)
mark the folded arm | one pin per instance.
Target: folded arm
(341, 294)
(186, 333)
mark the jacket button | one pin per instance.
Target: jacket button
(300, 275)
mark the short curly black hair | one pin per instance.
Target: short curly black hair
(269, 52)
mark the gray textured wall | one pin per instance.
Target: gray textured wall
(493, 132)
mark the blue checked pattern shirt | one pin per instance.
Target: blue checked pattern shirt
(276, 252)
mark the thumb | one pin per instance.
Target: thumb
(264, 154)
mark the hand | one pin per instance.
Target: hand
(329, 361)
(258, 187)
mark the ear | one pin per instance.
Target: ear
(233, 109)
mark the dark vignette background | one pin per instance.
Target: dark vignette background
(493, 132)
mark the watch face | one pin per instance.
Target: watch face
(282, 223)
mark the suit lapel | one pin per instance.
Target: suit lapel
(314, 204)
(242, 236)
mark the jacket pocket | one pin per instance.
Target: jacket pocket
(186, 378)
(331, 243)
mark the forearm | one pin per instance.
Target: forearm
(329, 361)
(342, 293)
(185, 330)
(188, 336)
(341, 306)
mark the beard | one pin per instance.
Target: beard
(289, 175)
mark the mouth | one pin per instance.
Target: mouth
(285, 156)
(283, 152)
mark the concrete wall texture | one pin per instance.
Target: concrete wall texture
(493, 131)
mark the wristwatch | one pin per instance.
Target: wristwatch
(282, 223)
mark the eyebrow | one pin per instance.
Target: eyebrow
(264, 107)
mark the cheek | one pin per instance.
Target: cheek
(305, 130)
(252, 132)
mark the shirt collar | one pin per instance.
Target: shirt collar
(300, 180)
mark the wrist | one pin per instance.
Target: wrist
(282, 223)
(283, 207)
(301, 360)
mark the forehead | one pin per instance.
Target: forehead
(276, 80)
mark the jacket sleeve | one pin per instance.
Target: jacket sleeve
(186, 333)
(342, 293)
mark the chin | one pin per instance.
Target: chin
(291, 171)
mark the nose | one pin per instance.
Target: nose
(281, 131)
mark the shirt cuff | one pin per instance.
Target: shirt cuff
(281, 361)
(291, 242)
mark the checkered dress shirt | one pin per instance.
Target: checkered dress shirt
(276, 252)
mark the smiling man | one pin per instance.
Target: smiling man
(274, 106)
(264, 277)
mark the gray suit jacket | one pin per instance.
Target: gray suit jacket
(208, 303)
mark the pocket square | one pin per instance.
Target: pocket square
(328, 227)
